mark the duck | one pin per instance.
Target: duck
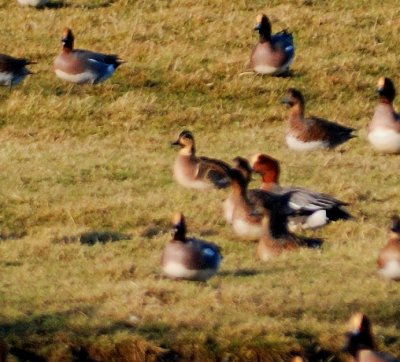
(195, 172)
(13, 70)
(34, 3)
(360, 342)
(384, 128)
(276, 237)
(389, 256)
(312, 133)
(316, 209)
(273, 54)
(189, 258)
(83, 66)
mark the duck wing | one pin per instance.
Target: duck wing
(216, 171)
(109, 59)
(11, 64)
(284, 40)
(334, 133)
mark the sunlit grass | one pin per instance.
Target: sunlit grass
(79, 159)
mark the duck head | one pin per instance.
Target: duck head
(267, 167)
(293, 97)
(386, 89)
(185, 140)
(179, 227)
(241, 164)
(67, 39)
(263, 26)
(359, 335)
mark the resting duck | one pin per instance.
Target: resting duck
(389, 257)
(189, 258)
(317, 209)
(360, 342)
(13, 70)
(83, 66)
(307, 134)
(35, 3)
(273, 54)
(384, 129)
(276, 238)
(198, 172)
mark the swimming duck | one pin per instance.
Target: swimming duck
(384, 129)
(273, 54)
(13, 70)
(35, 3)
(189, 258)
(317, 209)
(307, 134)
(198, 172)
(389, 257)
(83, 66)
(360, 342)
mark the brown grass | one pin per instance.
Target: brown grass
(78, 159)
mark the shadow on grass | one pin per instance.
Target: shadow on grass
(240, 273)
(67, 4)
(93, 237)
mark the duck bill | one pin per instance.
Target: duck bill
(175, 143)
(285, 101)
(257, 27)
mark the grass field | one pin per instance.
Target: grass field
(92, 159)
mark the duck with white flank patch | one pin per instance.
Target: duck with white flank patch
(312, 133)
(273, 54)
(13, 70)
(360, 342)
(384, 129)
(189, 258)
(198, 172)
(317, 209)
(83, 66)
(389, 257)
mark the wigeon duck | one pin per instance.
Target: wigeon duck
(360, 342)
(13, 70)
(273, 54)
(35, 3)
(317, 209)
(198, 172)
(384, 129)
(389, 257)
(276, 238)
(83, 66)
(244, 214)
(307, 134)
(189, 258)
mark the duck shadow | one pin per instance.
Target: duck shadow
(64, 4)
(240, 273)
(94, 237)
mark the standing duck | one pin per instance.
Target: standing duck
(198, 172)
(273, 54)
(189, 258)
(307, 134)
(13, 70)
(360, 342)
(389, 257)
(317, 209)
(384, 129)
(83, 66)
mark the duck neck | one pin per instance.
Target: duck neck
(180, 233)
(269, 179)
(296, 111)
(276, 225)
(187, 151)
(265, 33)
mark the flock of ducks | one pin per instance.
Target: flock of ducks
(270, 213)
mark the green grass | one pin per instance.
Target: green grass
(82, 159)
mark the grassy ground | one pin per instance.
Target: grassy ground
(79, 159)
